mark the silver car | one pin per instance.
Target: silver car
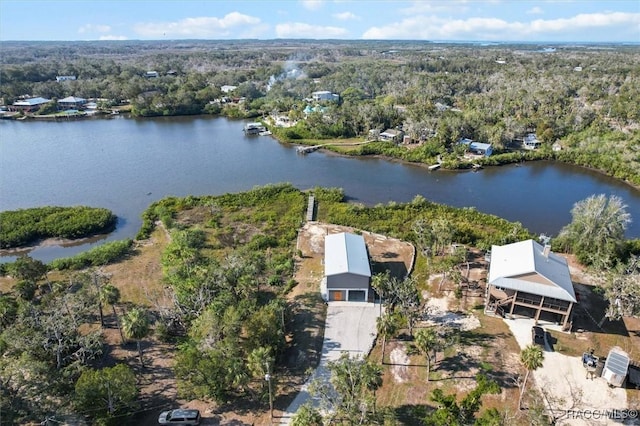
(180, 416)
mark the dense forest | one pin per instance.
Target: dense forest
(580, 100)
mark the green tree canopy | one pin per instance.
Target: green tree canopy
(106, 393)
(596, 232)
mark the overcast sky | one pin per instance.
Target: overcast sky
(482, 20)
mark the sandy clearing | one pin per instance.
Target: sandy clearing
(564, 382)
(400, 364)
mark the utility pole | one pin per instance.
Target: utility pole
(267, 377)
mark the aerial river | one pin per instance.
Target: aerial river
(125, 164)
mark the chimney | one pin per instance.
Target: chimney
(547, 245)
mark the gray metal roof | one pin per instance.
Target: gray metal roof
(32, 101)
(509, 263)
(72, 99)
(346, 253)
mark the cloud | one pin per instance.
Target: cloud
(312, 4)
(434, 6)
(200, 27)
(438, 28)
(93, 28)
(345, 16)
(302, 30)
(535, 11)
(112, 37)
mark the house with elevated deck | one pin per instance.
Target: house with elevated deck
(527, 279)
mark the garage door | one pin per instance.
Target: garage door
(357, 295)
(336, 295)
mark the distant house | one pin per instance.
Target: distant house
(228, 88)
(65, 78)
(325, 95)
(71, 102)
(347, 273)
(29, 104)
(151, 74)
(477, 148)
(391, 135)
(531, 141)
(527, 279)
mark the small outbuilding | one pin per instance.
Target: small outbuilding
(616, 367)
(347, 272)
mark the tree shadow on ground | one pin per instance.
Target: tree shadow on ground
(589, 313)
(306, 329)
(412, 414)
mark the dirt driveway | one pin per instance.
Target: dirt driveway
(386, 253)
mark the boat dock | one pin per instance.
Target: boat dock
(254, 128)
(307, 149)
(311, 208)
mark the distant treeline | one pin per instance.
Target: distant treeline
(26, 226)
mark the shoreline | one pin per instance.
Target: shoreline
(51, 242)
(327, 151)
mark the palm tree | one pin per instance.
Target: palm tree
(387, 327)
(110, 294)
(426, 340)
(531, 357)
(260, 363)
(135, 325)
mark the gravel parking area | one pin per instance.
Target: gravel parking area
(568, 389)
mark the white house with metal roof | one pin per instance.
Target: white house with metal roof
(71, 102)
(347, 272)
(325, 95)
(29, 104)
(526, 278)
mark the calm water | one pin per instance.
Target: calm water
(125, 164)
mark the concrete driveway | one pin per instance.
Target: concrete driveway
(349, 327)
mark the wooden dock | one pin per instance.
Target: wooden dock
(311, 208)
(307, 149)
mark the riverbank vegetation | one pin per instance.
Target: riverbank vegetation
(579, 100)
(228, 269)
(27, 226)
(220, 293)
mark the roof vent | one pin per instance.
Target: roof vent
(546, 240)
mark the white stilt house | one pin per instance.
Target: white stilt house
(527, 279)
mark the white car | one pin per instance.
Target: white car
(180, 416)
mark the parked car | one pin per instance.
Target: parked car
(538, 335)
(180, 416)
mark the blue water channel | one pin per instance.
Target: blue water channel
(124, 164)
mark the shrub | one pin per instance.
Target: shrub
(102, 255)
